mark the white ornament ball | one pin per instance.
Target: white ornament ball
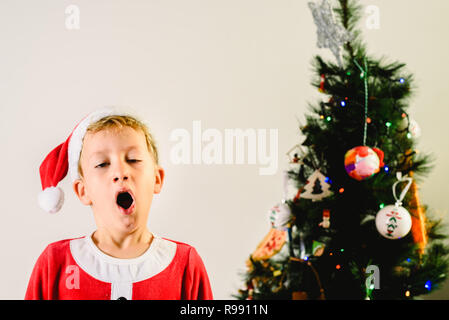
(393, 222)
(280, 215)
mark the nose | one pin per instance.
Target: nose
(124, 178)
(120, 172)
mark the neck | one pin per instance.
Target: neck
(123, 246)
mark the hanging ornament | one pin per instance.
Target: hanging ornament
(414, 129)
(330, 34)
(295, 163)
(418, 218)
(270, 245)
(318, 248)
(363, 162)
(316, 187)
(280, 216)
(326, 219)
(394, 221)
(411, 126)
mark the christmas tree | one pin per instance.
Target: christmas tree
(366, 236)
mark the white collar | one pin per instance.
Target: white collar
(109, 269)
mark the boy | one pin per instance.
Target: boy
(113, 162)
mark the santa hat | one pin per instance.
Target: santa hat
(64, 158)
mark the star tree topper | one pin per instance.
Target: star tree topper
(330, 34)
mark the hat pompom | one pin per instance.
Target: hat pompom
(51, 199)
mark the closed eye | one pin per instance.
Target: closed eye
(104, 164)
(101, 165)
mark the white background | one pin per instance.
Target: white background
(231, 64)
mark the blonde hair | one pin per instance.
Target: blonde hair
(119, 122)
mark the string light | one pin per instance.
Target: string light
(321, 116)
(382, 205)
(327, 180)
(329, 118)
(338, 267)
(368, 120)
(386, 168)
(428, 285)
(407, 293)
(341, 190)
(348, 73)
(402, 80)
(409, 135)
(409, 260)
(388, 124)
(343, 104)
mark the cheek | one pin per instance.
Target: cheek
(147, 182)
(95, 188)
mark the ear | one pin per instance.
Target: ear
(159, 174)
(80, 190)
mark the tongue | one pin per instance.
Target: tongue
(124, 200)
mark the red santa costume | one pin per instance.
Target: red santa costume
(78, 269)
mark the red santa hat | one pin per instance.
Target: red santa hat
(64, 158)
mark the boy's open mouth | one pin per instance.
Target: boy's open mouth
(125, 199)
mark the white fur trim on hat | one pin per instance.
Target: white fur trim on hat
(51, 199)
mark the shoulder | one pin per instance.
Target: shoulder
(58, 250)
(181, 246)
(60, 245)
(185, 251)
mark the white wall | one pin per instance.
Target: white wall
(231, 64)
